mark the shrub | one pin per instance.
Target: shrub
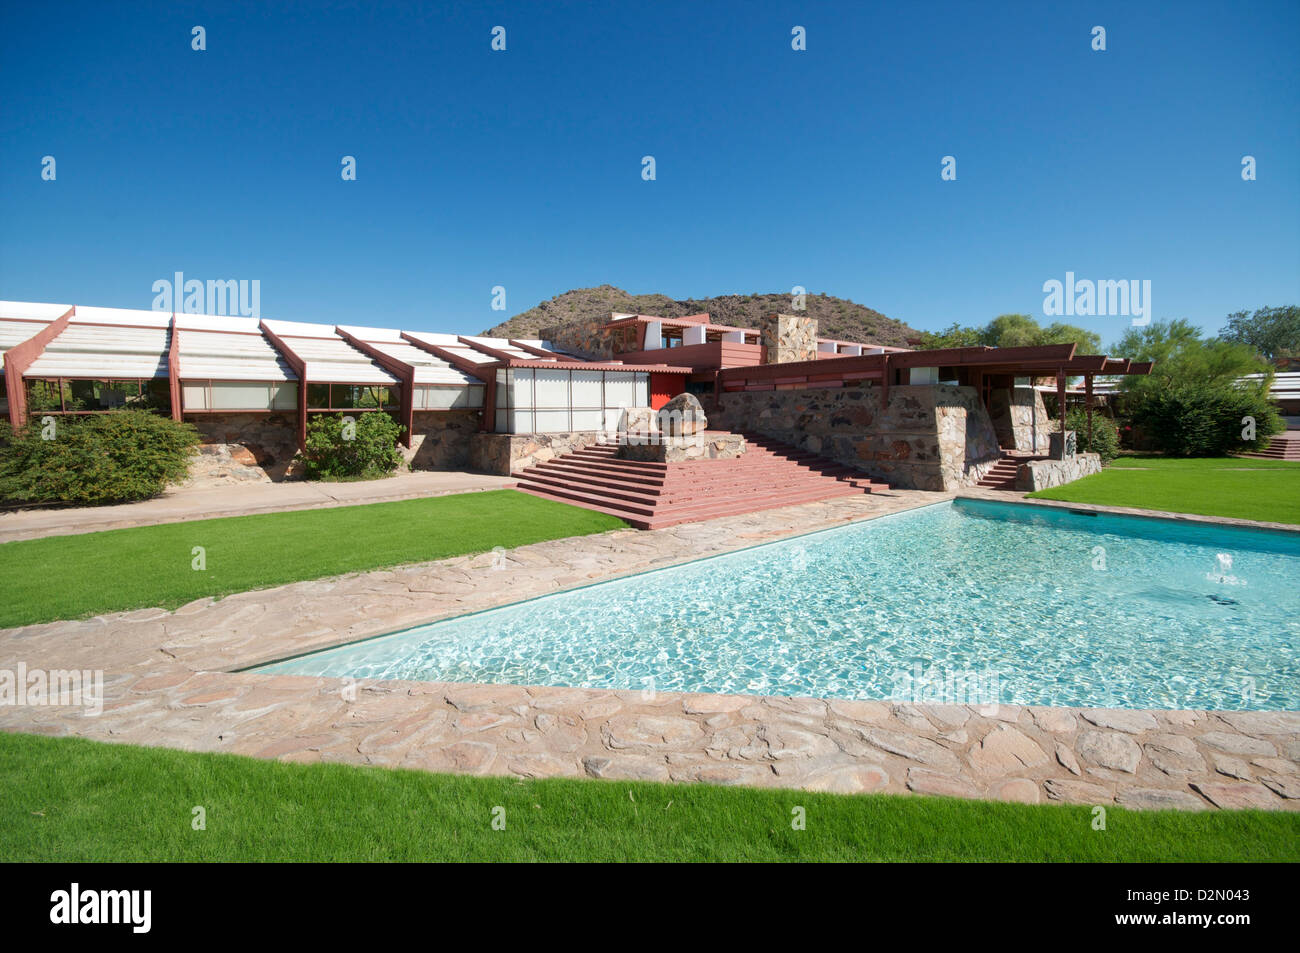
(362, 446)
(1203, 418)
(117, 457)
(1105, 435)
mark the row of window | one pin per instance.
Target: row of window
(72, 396)
(545, 400)
(66, 395)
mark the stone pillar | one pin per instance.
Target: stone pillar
(788, 338)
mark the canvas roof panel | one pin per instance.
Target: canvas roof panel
(214, 355)
(98, 351)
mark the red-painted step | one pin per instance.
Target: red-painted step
(651, 495)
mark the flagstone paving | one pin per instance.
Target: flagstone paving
(169, 681)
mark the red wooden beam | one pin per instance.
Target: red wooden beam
(299, 366)
(487, 373)
(20, 357)
(174, 368)
(487, 349)
(399, 369)
(538, 351)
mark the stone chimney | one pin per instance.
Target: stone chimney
(789, 337)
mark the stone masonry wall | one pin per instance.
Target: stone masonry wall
(1040, 474)
(789, 337)
(1018, 416)
(440, 439)
(506, 453)
(928, 438)
(242, 448)
(589, 338)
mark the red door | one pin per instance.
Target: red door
(661, 389)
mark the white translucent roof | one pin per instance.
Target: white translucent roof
(333, 359)
(429, 369)
(504, 346)
(374, 335)
(229, 356)
(32, 309)
(13, 333)
(123, 342)
(215, 322)
(104, 350)
(122, 316)
(438, 338)
(451, 344)
(301, 329)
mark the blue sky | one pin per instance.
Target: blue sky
(774, 168)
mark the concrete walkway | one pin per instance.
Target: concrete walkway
(179, 504)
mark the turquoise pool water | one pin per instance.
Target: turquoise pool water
(970, 601)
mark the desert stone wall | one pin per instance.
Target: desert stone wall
(1040, 474)
(440, 439)
(1020, 418)
(928, 438)
(505, 453)
(789, 337)
(244, 448)
(588, 338)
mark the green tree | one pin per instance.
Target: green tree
(1196, 399)
(1273, 332)
(1013, 330)
(118, 457)
(363, 447)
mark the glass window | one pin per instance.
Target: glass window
(240, 395)
(318, 395)
(284, 396)
(194, 396)
(552, 421)
(619, 389)
(552, 388)
(588, 390)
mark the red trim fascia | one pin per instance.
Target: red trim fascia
(299, 367)
(20, 357)
(487, 373)
(539, 351)
(404, 372)
(174, 368)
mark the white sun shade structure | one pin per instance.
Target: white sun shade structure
(327, 357)
(503, 347)
(227, 364)
(456, 348)
(20, 320)
(107, 344)
(437, 384)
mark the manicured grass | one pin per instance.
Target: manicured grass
(75, 800)
(1153, 462)
(69, 577)
(1224, 486)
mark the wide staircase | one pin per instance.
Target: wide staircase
(1003, 474)
(655, 495)
(1283, 446)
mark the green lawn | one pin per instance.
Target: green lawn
(74, 800)
(70, 577)
(1220, 486)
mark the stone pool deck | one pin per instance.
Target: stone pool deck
(169, 682)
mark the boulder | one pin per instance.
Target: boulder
(682, 416)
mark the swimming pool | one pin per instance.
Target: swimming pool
(966, 601)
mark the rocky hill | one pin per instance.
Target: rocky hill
(836, 317)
